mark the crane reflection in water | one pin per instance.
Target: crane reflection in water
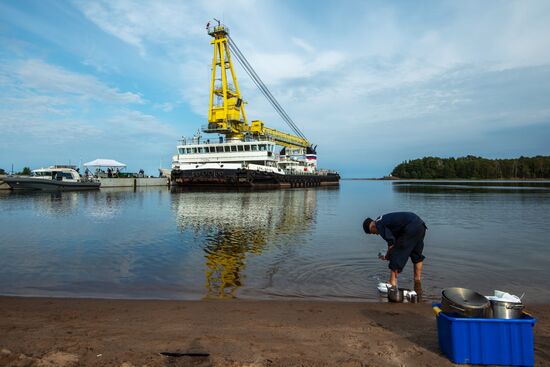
(232, 226)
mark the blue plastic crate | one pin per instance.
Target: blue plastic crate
(486, 341)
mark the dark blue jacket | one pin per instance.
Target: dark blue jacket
(391, 226)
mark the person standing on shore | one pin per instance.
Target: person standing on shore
(404, 232)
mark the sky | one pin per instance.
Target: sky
(372, 83)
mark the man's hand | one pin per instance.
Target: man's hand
(387, 256)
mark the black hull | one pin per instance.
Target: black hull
(28, 183)
(242, 178)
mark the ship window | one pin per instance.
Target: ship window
(240, 147)
(254, 148)
(219, 149)
(262, 147)
(233, 148)
(247, 148)
(181, 150)
(188, 150)
(202, 150)
(194, 150)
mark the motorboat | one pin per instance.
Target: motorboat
(54, 178)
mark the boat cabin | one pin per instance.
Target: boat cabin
(58, 173)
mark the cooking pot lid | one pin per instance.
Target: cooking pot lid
(465, 298)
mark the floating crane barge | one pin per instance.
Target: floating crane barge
(244, 154)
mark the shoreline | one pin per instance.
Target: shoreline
(115, 332)
(449, 179)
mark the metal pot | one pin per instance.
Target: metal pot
(462, 302)
(507, 310)
(396, 294)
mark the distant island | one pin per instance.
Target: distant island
(471, 167)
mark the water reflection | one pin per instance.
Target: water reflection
(42, 203)
(483, 235)
(469, 186)
(307, 244)
(56, 203)
(232, 226)
(94, 204)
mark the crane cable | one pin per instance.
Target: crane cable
(263, 88)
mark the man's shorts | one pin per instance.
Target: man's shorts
(410, 244)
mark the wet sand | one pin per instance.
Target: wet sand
(100, 332)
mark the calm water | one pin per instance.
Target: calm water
(300, 243)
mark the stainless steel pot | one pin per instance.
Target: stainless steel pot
(507, 310)
(396, 294)
(462, 302)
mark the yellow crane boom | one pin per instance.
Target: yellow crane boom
(226, 112)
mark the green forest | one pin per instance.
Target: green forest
(471, 167)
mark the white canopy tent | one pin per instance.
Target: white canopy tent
(105, 163)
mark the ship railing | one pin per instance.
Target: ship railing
(323, 171)
(319, 172)
(301, 173)
(201, 141)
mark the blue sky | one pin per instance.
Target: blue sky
(373, 83)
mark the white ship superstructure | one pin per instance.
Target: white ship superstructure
(259, 155)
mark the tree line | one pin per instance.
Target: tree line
(26, 171)
(471, 167)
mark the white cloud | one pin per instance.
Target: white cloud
(136, 22)
(131, 122)
(36, 75)
(56, 106)
(166, 106)
(302, 44)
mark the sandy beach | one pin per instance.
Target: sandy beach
(104, 332)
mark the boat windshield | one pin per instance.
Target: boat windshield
(55, 174)
(41, 173)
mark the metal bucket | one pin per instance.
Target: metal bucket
(507, 310)
(396, 294)
(464, 302)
